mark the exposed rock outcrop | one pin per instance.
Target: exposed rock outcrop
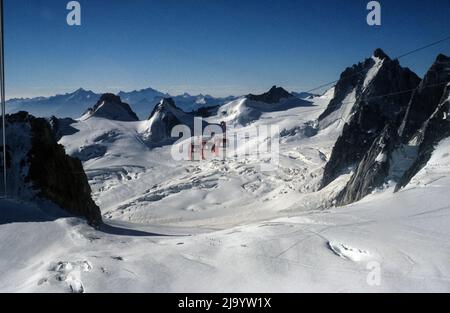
(62, 127)
(163, 119)
(373, 169)
(381, 98)
(111, 107)
(436, 128)
(39, 167)
(274, 95)
(405, 144)
(206, 111)
(426, 98)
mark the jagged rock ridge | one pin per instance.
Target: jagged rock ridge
(371, 111)
(392, 145)
(430, 104)
(39, 167)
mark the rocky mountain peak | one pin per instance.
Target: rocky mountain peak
(441, 58)
(110, 98)
(164, 117)
(111, 107)
(373, 94)
(274, 95)
(380, 54)
(427, 97)
(390, 138)
(39, 167)
(166, 104)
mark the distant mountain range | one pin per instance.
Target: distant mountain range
(67, 105)
(142, 102)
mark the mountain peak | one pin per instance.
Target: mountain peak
(165, 116)
(167, 101)
(111, 107)
(441, 58)
(274, 95)
(109, 98)
(82, 91)
(380, 54)
(163, 105)
(363, 118)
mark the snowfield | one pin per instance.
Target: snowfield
(316, 251)
(134, 183)
(227, 226)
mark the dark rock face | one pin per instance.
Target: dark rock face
(426, 98)
(206, 111)
(372, 170)
(111, 107)
(435, 129)
(62, 127)
(353, 77)
(426, 120)
(372, 111)
(274, 95)
(423, 121)
(52, 174)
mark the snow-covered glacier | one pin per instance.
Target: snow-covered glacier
(226, 225)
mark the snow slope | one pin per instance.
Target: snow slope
(244, 111)
(134, 182)
(318, 251)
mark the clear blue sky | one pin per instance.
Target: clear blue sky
(218, 47)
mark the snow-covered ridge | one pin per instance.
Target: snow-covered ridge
(248, 109)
